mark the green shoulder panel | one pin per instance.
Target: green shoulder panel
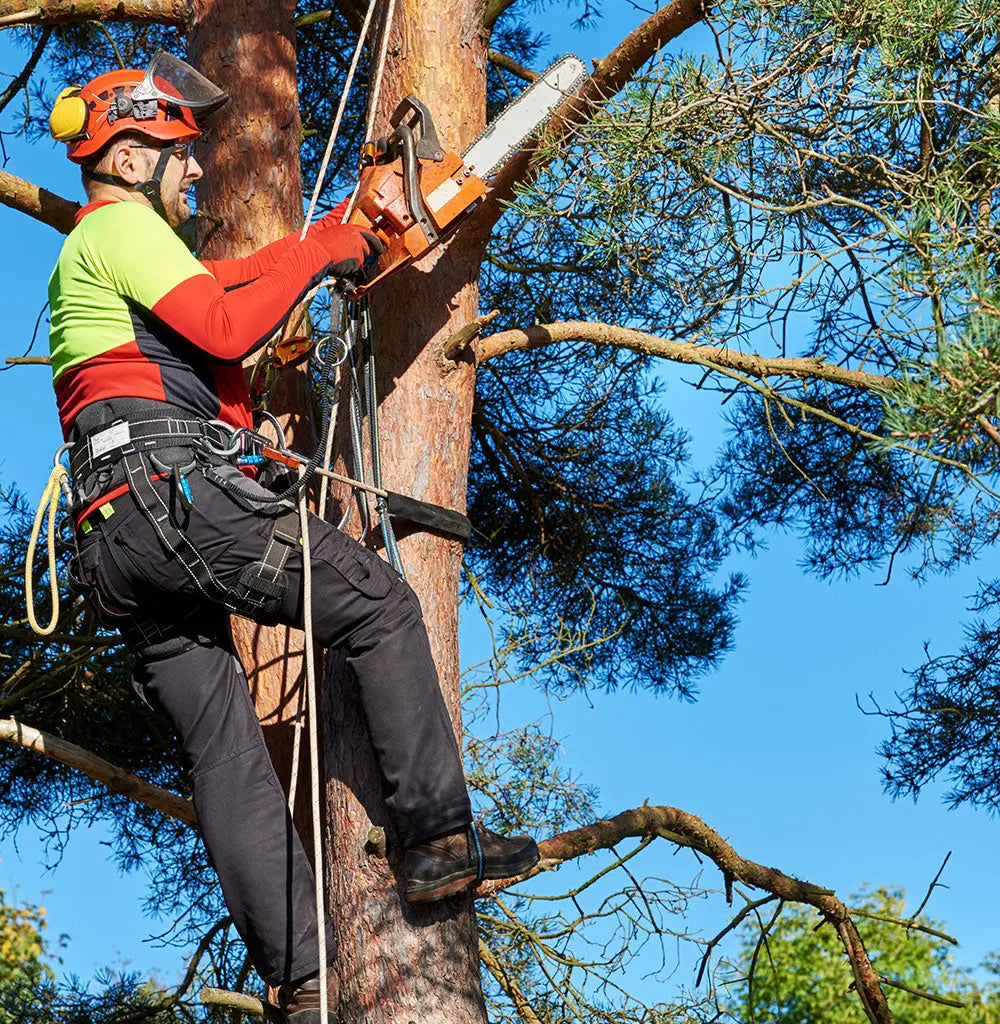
(118, 254)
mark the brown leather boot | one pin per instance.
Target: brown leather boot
(299, 1001)
(450, 863)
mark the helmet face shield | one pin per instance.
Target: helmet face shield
(171, 80)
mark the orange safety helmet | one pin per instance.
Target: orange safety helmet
(158, 102)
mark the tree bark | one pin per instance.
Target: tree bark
(399, 963)
(52, 12)
(253, 185)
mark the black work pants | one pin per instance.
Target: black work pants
(361, 605)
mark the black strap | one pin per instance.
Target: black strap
(261, 586)
(110, 442)
(434, 517)
(151, 188)
(174, 542)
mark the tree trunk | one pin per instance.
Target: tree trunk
(401, 964)
(253, 186)
(395, 963)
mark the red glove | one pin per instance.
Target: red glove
(347, 245)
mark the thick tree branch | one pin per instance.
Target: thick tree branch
(494, 8)
(681, 352)
(685, 829)
(144, 12)
(37, 202)
(116, 779)
(609, 77)
(250, 1005)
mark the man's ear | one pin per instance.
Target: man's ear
(127, 162)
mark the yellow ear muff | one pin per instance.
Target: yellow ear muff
(68, 119)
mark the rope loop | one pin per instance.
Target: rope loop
(57, 484)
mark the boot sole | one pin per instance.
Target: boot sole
(458, 881)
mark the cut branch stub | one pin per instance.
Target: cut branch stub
(37, 202)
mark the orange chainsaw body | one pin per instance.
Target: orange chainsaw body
(442, 190)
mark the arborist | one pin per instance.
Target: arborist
(147, 344)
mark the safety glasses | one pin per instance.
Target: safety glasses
(184, 151)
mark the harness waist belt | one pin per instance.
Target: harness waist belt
(108, 444)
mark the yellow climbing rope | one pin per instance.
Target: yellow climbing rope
(58, 482)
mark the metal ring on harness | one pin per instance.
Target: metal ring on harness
(234, 439)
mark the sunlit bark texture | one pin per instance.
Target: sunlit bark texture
(393, 970)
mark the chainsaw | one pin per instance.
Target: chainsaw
(413, 195)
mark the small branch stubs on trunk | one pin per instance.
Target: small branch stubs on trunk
(457, 344)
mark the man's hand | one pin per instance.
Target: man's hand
(348, 246)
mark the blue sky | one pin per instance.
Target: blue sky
(775, 754)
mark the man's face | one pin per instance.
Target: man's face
(181, 174)
(136, 161)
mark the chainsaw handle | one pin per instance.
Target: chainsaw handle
(427, 147)
(411, 183)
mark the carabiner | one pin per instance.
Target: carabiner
(280, 443)
(234, 440)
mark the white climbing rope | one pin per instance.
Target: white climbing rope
(312, 704)
(336, 121)
(57, 483)
(369, 126)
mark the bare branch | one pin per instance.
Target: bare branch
(242, 1003)
(508, 984)
(145, 12)
(116, 779)
(37, 202)
(501, 60)
(20, 17)
(685, 829)
(679, 351)
(22, 79)
(921, 994)
(609, 77)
